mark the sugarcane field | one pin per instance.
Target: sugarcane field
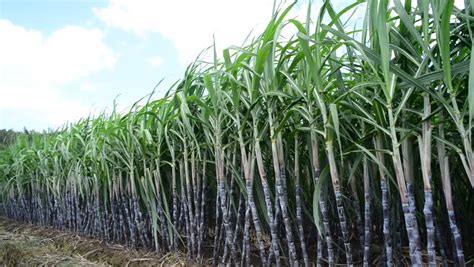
(341, 136)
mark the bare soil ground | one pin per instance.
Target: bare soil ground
(24, 244)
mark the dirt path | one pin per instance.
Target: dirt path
(29, 245)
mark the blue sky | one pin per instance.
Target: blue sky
(127, 73)
(63, 60)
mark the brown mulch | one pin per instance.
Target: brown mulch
(23, 244)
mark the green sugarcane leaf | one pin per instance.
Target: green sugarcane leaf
(444, 36)
(383, 39)
(408, 23)
(471, 87)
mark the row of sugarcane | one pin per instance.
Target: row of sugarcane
(333, 145)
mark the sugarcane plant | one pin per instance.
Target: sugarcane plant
(324, 140)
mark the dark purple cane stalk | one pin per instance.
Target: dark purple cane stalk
(196, 183)
(367, 230)
(229, 241)
(189, 201)
(98, 211)
(267, 195)
(162, 222)
(284, 204)
(246, 238)
(122, 220)
(139, 221)
(299, 215)
(424, 144)
(165, 228)
(202, 217)
(340, 207)
(257, 226)
(443, 161)
(216, 233)
(106, 223)
(115, 218)
(129, 220)
(398, 233)
(327, 231)
(50, 213)
(220, 175)
(344, 227)
(386, 222)
(410, 226)
(430, 227)
(409, 205)
(441, 242)
(319, 255)
(175, 215)
(356, 205)
(456, 237)
(238, 223)
(87, 216)
(58, 213)
(322, 202)
(67, 212)
(182, 218)
(234, 190)
(367, 215)
(187, 225)
(225, 214)
(77, 210)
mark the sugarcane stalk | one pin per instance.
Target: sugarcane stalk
(216, 232)
(238, 223)
(367, 215)
(189, 199)
(198, 187)
(256, 223)
(356, 205)
(248, 163)
(159, 208)
(410, 220)
(299, 215)
(340, 207)
(319, 250)
(322, 203)
(185, 207)
(246, 238)
(128, 217)
(443, 161)
(424, 144)
(230, 246)
(268, 202)
(384, 186)
(408, 159)
(175, 197)
(223, 198)
(203, 203)
(280, 173)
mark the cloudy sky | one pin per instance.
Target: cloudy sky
(64, 59)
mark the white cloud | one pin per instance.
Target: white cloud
(35, 71)
(189, 24)
(155, 61)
